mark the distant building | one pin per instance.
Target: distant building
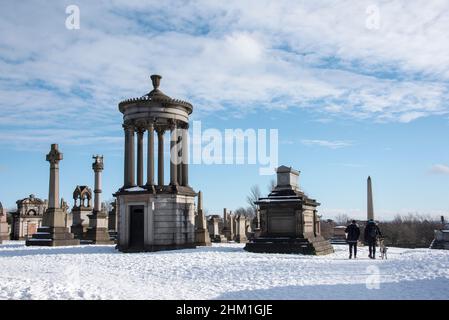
(28, 217)
(441, 240)
(4, 227)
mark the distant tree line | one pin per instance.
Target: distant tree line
(407, 231)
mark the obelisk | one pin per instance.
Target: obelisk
(53, 231)
(202, 237)
(370, 210)
(97, 232)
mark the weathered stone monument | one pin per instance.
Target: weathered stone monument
(98, 232)
(370, 208)
(82, 208)
(28, 217)
(53, 231)
(228, 225)
(156, 216)
(201, 232)
(338, 235)
(289, 220)
(240, 230)
(4, 228)
(441, 240)
(112, 220)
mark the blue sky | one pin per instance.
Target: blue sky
(349, 100)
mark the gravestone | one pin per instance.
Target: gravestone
(240, 231)
(201, 232)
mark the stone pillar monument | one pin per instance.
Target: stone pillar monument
(370, 211)
(228, 229)
(53, 231)
(201, 234)
(97, 232)
(240, 231)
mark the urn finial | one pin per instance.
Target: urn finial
(156, 79)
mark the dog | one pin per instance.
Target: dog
(383, 248)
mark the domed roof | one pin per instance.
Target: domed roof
(31, 199)
(156, 95)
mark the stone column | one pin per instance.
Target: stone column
(140, 133)
(54, 231)
(98, 167)
(129, 176)
(53, 193)
(173, 155)
(179, 154)
(150, 160)
(160, 156)
(185, 155)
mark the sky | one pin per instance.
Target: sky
(353, 88)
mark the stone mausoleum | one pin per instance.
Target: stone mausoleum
(28, 217)
(289, 222)
(153, 214)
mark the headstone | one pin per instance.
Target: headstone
(201, 233)
(240, 231)
(228, 228)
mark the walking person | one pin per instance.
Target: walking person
(352, 236)
(372, 231)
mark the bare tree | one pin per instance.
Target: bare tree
(342, 219)
(247, 212)
(272, 185)
(253, 196)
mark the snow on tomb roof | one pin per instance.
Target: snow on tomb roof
(285, 169)
(135, 189)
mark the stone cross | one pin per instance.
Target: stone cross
(54, 157)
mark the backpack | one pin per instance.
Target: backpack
(373, 232)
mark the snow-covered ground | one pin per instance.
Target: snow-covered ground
(223, 271)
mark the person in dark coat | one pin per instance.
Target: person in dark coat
(352, 236)
(372, 231)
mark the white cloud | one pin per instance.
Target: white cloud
(440, 169)
(232, 57)
(326, 143)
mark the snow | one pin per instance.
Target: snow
(223, 271)
(135, 189)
